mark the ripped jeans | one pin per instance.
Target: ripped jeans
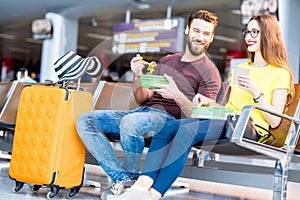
(96, 128)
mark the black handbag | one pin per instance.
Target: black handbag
(251, 131)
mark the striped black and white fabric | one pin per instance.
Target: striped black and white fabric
(71, 66)
(95, 68)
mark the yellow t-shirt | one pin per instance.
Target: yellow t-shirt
(267, 79)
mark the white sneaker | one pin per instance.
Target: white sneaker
(133, 194)
(117, 188)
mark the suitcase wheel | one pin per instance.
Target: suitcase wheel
(54, 191)
(35, 188)
(73, 192)
(18, 186)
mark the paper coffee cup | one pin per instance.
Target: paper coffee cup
(238, 70)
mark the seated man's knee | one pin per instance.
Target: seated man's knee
(129, 124)
(127, 121)
(82, 122)
(83, 117)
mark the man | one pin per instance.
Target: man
(188, 73)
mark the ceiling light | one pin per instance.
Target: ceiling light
(82, 47)
(7, 36)
(20, 50)
(225, 39)
(140, 4)
(236, 12)
(34, 41)
(222, 50)
(98, 36)
(217, 57)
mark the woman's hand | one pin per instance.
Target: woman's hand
(137, 65)
(246, 83)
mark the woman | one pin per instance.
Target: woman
(269, 84)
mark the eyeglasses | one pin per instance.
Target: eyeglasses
(253, 33)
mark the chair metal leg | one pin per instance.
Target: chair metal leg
(6, 140)
(180, 184)
(198, 158)
(280, 180)
(4, 155)
(90, 183)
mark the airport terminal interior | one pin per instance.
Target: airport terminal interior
(96, 181)
(33, 34)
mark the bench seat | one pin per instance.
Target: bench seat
(282, 157)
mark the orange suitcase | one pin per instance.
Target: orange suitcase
(46, 147)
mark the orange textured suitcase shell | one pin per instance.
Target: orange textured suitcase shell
(46, 148)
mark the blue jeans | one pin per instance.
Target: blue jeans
(97, 128)
(169, 148)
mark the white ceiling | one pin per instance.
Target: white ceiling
(16, 17)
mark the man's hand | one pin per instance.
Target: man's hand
(136, 65)
(170, 90)
(201, 100)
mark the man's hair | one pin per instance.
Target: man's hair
(204, 15)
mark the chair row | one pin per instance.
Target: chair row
(119, 96)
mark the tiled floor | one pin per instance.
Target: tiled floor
(197, 190)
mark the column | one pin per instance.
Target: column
(289, 16)
(64, 39)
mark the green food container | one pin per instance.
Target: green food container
(147, 80)
(211, 112)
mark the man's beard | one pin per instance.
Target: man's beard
(196, 51)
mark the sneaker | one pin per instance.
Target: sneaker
(117, 188)
(133, 194)
(107, 194)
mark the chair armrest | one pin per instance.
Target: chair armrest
(292, 136)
